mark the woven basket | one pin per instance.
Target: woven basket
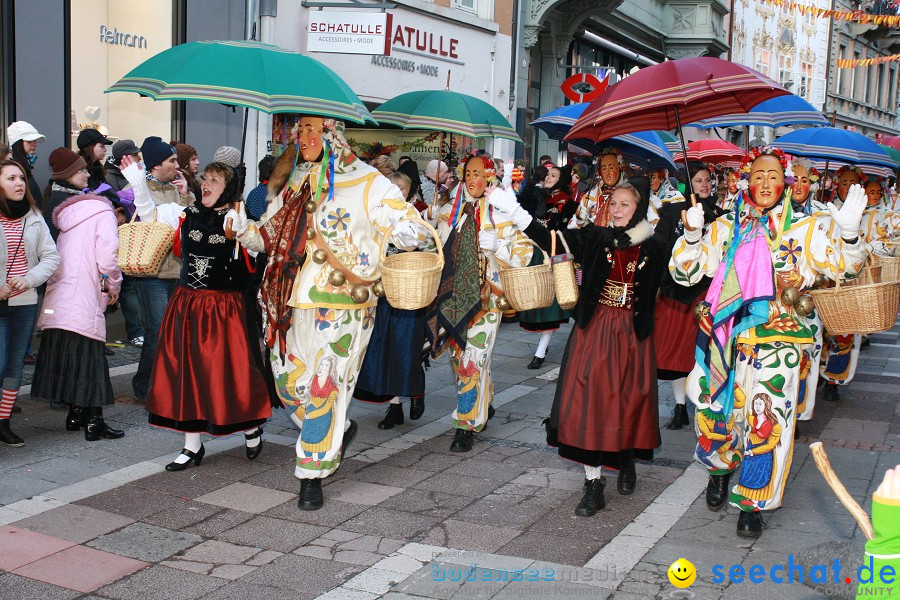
(863, 308)
(870, 274)
(143, 246)
(528, 288)
(890, 266)
(563, 274)
(411, 279)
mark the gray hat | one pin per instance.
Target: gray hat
(124, 148)
(229, 155)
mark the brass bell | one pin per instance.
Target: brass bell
(378, 289)
(790, 296)
(805, 306)
(319, 256)
(310, 233)
(309, 206)
(337, 279)
(469, 208)
(821, 280)
(359, 293)
(503, 304)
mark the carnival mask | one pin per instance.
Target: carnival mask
(873, 193)
(766, 181)
(475, 177)
(732, 181)
(802, 184)
(609, 169)
(847, 179)
(310, 138)
(655, 180)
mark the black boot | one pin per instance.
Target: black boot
(831, 392)
(679, 418)
(8, 437)
(627, 479)
(416, 408)
(536, 362)
(749, 524)
(593, 499)
(254, 451)
(393, 417)
(310, 494)
(462, 441)
(75, 420)
(717, 491)
(96, 428)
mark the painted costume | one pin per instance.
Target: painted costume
(666, 194)
(593, 208)
(750, 343)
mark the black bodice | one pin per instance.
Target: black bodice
(208, 259)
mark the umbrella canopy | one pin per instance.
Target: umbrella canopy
(664, 95)
(892, 152)
(777, 112)
(834, 165)
(249, 74)
(839, 145)
(893, 142)
(557, 123)
(444, 110)
(670, 140)
(712, 151)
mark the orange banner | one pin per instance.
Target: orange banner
(840, 15)
(843, 63)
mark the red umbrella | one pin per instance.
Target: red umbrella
(712, 151)
(659, 97)
(893, 142)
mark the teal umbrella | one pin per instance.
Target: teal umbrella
(446, 111)
(245, 73)
(892, 152)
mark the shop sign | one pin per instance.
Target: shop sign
(349, 32)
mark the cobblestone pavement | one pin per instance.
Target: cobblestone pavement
(404, 518)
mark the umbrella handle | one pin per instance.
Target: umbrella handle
(862, 519)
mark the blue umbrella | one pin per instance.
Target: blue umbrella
(839, 145)
(645, 148)
(777, 112)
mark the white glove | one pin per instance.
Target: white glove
(505, 201)
(508, 167)
(135, 174)
(488, 240)
(850, 214)
(405, 234)
(237, 219)
(693, 224)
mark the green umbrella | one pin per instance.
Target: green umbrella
(245, 73)
(892, 152)
(670, 140)
(444, 110)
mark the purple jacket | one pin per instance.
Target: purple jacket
(88, 244)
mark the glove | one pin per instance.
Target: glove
(505, 201)
(135, 174)
(508, 167)
(850, 214)
(405, 234)
(693, 224)
(487, 240)
(236, 220)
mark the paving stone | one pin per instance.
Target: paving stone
(133, 502)
(18, 488)
(443, 482)
(246, 497)
(232, 571)
(332, 514)
(146, 542)
(424, 502)
(374, 581)
(74, 523)
(189, 483)
(25, 588)
(20, 547)
(216, 552)
(189, 565)
(280, 478)
(454, 533)
(392, 476)
(360, 492)
(431, 581)
(162, 583)
(263, 558)
(272, 534)
(551, 548)
(385, 522)
(81, 568)
(302, 576)
(241, 590)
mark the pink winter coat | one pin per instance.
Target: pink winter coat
(88, 244)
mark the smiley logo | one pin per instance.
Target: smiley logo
(682, 573)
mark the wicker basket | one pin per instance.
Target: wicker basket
(143, 246)
(870, 274)
(890, 266)
(563, 274)
(411, 279)
(528, 288)
(863, 308)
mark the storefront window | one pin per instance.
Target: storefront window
(109, 39)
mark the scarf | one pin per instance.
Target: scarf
(31, 158)
(15, 209)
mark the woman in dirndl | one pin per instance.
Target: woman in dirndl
(605, 410)
(675, 334)
(207, 375)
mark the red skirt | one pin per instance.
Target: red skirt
(675, 337)
(205, 376)
(605, 411)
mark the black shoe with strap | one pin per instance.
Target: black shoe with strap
(310, 494)
(76, 418)
(679, 418)
(536, 362)
(394, 416)
(463, 440)
(627, 479)
(193, 457)
(750, 524)
(96, 427)
(416, 408)
(593, 499)
(8, 437)
(717, 491)
(254, 451)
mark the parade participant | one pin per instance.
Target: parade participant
(319, 313)
(29, 259)
(806, 184)
(593, 206)
(661, 192)
(840, 353)
(469, 306)
(208, 316)
(675, 333)
(553, 213)
(753, 327)
(605, 409)
(72, 369)
(877, 226)
(732, 177)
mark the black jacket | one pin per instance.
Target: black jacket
(590, 246)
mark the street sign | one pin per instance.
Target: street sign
(349, 32)
(584, 87)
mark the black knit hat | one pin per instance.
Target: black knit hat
(154, 151)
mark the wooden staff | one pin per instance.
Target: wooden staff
(821, 458)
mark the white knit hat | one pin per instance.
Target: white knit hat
(21, 130)
(229, 155)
